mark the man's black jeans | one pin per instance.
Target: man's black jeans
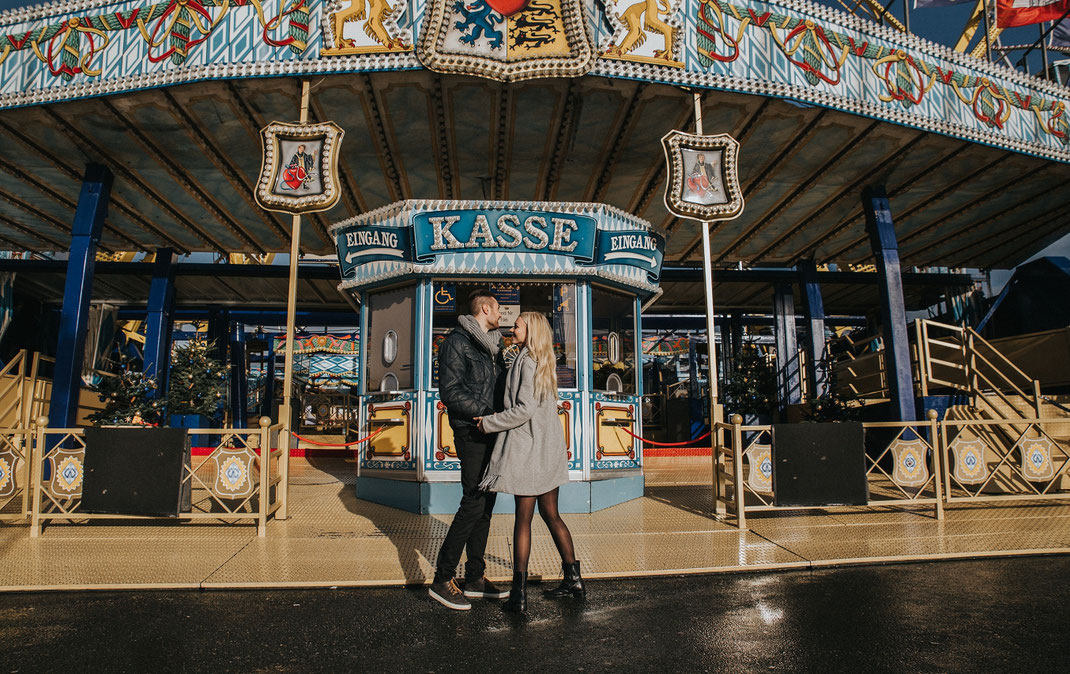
(471, 525)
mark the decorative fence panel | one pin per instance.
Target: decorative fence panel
(242, 479)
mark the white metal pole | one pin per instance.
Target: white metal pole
(707, 275)
(291, 310)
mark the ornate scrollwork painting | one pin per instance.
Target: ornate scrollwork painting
(703, 179)
(299, 167)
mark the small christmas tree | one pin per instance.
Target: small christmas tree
(128, 397)
(197, 380)
(751, 386)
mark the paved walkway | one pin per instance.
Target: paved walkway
(334, 539)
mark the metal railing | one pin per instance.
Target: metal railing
(15, 456)
(903, 469)
(243, 479)
(983, 467)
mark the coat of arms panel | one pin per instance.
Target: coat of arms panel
(506, 40)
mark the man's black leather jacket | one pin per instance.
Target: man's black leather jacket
(470, 380)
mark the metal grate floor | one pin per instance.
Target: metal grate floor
(334, 539)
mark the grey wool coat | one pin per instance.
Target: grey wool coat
(529, 456)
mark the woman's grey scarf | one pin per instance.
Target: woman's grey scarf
(489, 340)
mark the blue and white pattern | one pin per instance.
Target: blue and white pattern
(786, 49)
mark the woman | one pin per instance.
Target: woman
(529, 459)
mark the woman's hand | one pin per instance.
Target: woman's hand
(479, 423)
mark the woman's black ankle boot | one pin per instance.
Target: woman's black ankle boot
(518, 595)
(571, 584)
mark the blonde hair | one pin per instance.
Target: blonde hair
(540, 344)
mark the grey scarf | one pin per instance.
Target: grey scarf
(489, 340)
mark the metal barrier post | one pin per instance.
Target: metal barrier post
(284, 472)
(716, 451)
(737, 471)
(37, 472)
(938, 448)
(265, 476)
(947, 468)
(1037, 400)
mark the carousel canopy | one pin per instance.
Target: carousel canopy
(172, 96)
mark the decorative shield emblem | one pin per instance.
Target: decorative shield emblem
(233, 473)
(760, 458)
(67, 473)
(351, 27)
(969, 459)
(9, 462)
(703, 179)
(298, 170)
(910, 467)
(1036, 459)
(506, 40)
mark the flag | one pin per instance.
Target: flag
(926, 4)
(1060, 35)
(1010, 13)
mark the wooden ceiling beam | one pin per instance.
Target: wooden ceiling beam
(253, 123)
(447, 169)
(354, 200)
(119, 169)
(814, 176)
(502, 143)
(857, 215)
(902, 216)
(61, 199)
(382, 143)
(851, 190)
(564, 133)
(929, 245)
(612, 154)
(769, 167)
(220, 160)
(113, 199)
(160, 154)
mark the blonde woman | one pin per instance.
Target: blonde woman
(529, 459)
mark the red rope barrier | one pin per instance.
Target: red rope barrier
(665, 444)
(335, 444)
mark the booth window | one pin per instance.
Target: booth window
(556, 301)
(391, 326)
(613, 341)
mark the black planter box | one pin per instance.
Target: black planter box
(819, 464)
(135, 471)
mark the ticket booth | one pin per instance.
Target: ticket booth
(587, 267)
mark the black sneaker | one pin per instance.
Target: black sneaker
(483, 588)
(449, 595)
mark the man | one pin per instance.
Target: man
(701, 178)
(470, 382)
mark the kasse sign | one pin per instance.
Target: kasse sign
(437, 233)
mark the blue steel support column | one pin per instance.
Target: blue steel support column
(787, 349)
(893, 306)
(239, 385)
(158, 324)
(70, 348)
(814, 310)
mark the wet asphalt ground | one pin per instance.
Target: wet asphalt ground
(991, 615)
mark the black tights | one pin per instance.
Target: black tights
(525, 511)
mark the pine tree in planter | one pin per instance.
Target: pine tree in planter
(128, 397)
(750, 389)
(197, 380)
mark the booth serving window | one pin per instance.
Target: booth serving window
(556, 301)
(613, 341)
(391, 326)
